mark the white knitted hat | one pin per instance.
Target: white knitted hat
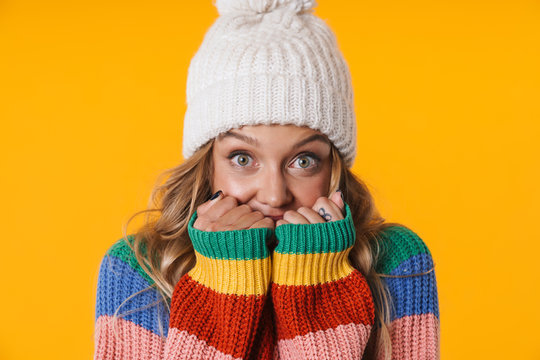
(269, 62)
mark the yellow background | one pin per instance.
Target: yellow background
(92, 96)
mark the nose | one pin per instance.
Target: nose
(273, 190)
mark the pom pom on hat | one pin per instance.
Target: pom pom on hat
(261, 6)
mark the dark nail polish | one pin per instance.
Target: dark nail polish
(216, 195)
(342, 197)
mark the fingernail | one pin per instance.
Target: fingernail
(216, 195)
(341, 193)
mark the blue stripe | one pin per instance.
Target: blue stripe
(415, 264)
(414, 295)
(117, 281)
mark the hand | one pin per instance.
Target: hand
(223, 214)
(324, 210)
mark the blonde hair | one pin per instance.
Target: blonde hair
(164, 251)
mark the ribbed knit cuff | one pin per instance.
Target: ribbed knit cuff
(231, 262)
(330, 236)
(309, 254)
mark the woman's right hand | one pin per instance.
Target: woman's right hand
(223, 214)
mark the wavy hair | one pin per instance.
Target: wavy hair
(164, 250)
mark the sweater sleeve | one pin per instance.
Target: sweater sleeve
(323, 307)
(220, 309)
(131, 320)
(408, 265)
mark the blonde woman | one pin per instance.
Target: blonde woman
(262, 244)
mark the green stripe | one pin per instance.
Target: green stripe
(245, 244)
(398, 245)
(121, 250)
(328, 237)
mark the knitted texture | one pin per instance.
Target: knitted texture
(323, 306)
(141, 328)
(415, 329)
(269, 62)
(217, 307)
(260, 6)
(303, 301)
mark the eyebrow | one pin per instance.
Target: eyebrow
(244, 138)
(316, 137)
(254, 142)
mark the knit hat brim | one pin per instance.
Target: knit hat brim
(278, 100)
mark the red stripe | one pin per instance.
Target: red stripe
(230, 323)
(305, 309)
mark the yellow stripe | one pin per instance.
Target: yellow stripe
(240, 277)
(310, 269)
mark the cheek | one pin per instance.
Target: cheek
(232, 185)
(308, 191)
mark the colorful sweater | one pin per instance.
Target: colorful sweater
(303, 301)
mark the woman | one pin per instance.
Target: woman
(264, 244)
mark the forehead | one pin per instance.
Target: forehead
(265, 135)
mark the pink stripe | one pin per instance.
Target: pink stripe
(182, 345)
(122, 339)
(415, 337)
(343, 342)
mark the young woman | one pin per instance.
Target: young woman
(263, 244)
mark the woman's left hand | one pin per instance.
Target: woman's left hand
(324, 210)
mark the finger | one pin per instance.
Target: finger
(281, 222)
(294, 217)
(234, 215)
(310, 214)
(222, 205)
(263, 223)
(206, 220)
(327, 209)
(247, 220)
(203, 208)
(337, 198)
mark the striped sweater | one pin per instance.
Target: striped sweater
(240, 301)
